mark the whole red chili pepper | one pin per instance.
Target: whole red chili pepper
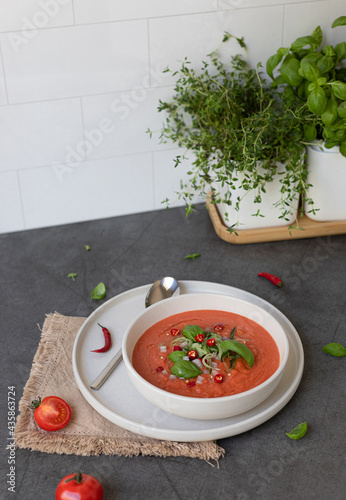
(274, 279)
(108, 340)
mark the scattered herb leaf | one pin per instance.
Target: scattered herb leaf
(73, 276)
(335, 349)
(192, 256)
(87, 247)
(298, 432)
(99, 291)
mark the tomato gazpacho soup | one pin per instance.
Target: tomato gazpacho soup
(206, 354)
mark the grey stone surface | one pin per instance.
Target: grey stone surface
(133, 250)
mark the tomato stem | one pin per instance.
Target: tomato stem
(36, 403)
(78, 477)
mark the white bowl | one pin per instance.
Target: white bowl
(204, 408)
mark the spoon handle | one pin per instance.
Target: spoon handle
(108, 369)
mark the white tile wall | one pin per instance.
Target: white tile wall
(69, 67)
(3, 92)
(88, 190)
(301, 19)
(193, 43)
(167, 177)
(129, 115)
(28, 16)
(39, 133)
(80, 60)
(11, 215)
(91, 11)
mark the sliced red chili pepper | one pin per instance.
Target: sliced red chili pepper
(218, 328)
(192, 354)
(211, 342)
(108, 340)
(175, 332)
(177, 348)
(159, 369)
(218, 378)
(199, 337)
(191, 384)
(273, 279)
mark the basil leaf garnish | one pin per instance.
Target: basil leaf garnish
(99, 291)
(185, 369)
(335, 349)
(298, 432)
(239, 348)
(190, 331)
(176, 355)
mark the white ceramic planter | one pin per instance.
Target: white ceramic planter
(327, 175)
(244, 218)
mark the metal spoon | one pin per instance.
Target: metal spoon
(161, 289)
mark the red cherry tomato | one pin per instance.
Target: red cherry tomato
(79, 487)
(51, 413)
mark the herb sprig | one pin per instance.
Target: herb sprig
(238, 130)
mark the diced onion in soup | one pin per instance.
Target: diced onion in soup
(198, 363)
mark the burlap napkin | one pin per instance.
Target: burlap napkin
(87, 433)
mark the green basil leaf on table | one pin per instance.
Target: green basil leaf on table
(298, 432)
(99, 291)
(192, 256)
(185, 369)
(335, 349)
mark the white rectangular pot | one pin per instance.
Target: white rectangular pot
(245, 218)
(327, 175)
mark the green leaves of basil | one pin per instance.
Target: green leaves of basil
(298, 432)
(190, 331)
(73, 276)
(290, 71)
(185, 369)
(335, 349)
(340, 21)
(176, 356)
(99, 291)
(239, 348)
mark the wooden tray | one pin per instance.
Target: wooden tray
(309, 229)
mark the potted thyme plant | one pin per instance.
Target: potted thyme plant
(246, 143)
(313, 81)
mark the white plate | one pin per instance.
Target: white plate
(122, 404)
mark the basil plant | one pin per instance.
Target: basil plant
(314, 85)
